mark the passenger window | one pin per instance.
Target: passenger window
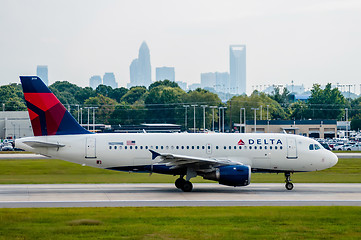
(161, 147)
(141, 147)
(260, 147)
(125, 147)
(250, 147)
(245, 147)
(197, 147)
(115, 147)
(235, 147)
(255, 147)
(136, 147)
(230, 147)
(110, 147)
(130, 147)
(265, 147)
(209, 147)
(120, 147)
(240, 147)
(270, 147)
(216, 147)
(177, 147)
(311, 147)
(187, 147)
(182, 147)
(166, 147)
(156, 147)
(146, 147)
(275, 147)
(192, 147)
(225, 147)
(281, 147)
(202, 147)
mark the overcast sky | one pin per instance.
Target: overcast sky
(305, 41)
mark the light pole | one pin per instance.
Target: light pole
(88, 117)
(194, 117)
(267, 119)
(261, 113)
(213, 107)
(185, 116)
(204, 117)
(81, 116)
(94, 118)
(240, 119)
(346, 109)
(219, 119)
(255, 122)
(223, 118)
(78, 112)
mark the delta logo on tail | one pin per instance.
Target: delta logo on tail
(47, 115)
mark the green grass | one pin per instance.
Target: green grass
(182, 223)
(58, 171)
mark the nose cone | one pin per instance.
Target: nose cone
(332, 159)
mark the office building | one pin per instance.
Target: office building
(140, 68)
(95, 81)
(163, 73)
(237, 69)
(208, 80)
(109, 80)
(42, 73)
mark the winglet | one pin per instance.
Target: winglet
(154, 154)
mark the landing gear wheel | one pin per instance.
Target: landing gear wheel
(187, 186)
(179, 182)
(289, 186)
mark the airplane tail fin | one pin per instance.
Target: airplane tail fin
(48, 116)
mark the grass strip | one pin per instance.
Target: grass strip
(17, 171)
(182, 223)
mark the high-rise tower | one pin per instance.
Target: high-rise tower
(109, 80)
(237, 69)
(42, 73)
(140, 68)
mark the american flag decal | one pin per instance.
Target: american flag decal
(240, 142)
(130, 142)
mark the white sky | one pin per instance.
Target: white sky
(306, 41)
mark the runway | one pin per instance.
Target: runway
(159, 195)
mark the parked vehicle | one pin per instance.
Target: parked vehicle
(7, 147)
(354, 147)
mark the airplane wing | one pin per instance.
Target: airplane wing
(43, 144)
(178, 161)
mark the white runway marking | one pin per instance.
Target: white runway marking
(115, 195)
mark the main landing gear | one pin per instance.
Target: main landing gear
(186, 186)
(289, 185)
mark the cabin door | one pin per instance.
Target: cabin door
(291, 148)
(90, 148)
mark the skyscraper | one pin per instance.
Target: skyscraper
(162, 73)
(208, 80)
(109, 80)
(140, 68)
(237, 69)
(95, 81)
(42, 73)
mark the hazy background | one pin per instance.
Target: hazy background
(304, 41)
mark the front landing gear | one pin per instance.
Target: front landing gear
(186, 186)
(289, 185)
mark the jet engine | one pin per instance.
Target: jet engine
(233, 175)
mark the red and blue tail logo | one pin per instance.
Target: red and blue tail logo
(48, 116)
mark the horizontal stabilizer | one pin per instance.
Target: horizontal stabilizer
(36, 144)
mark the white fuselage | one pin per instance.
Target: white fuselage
(261, 151)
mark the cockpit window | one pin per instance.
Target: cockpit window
(317, 147)
(314, 147)
(311, 147)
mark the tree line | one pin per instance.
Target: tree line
(165, 102)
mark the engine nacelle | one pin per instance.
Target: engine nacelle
(233, 175)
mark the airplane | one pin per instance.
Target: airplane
(228, 158)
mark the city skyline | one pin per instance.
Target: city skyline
(285, 40)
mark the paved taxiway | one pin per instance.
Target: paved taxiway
(121, 195)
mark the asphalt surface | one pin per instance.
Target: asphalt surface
(159, 195)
